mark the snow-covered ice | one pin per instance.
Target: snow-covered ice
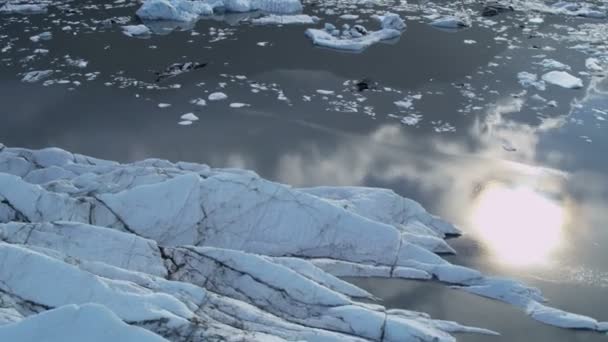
(189, 252)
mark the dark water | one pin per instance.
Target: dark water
(461, 161)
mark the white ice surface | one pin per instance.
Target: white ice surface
(185, 250)
(73, 323)
(358, 38)
(563, 79)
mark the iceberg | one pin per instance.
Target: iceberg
(189, 252)
(186, 10)
(24, 8)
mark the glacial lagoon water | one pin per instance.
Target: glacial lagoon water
(526, 180)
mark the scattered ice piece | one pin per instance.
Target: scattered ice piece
(527, 79)
(403, 104)
(185, 123)
(199, 102)
(217, 96)
(176, 69)
(136, 30)
(34, 8)
(411, 120)
(449, 22)
(164, 105)
(536, 20)
(469, 41)
(549, 63)
(35, 76)
(563, 79)
(238, 105)
(78, 63)
(593, 64)
(262, 43)
(285, 19)
(349, 17)
(42, 36)
(189, 117)
(325, 92)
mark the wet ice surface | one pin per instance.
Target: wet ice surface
(440, 120)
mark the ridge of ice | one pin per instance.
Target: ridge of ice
(194, 253)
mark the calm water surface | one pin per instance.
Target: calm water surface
(526, 182)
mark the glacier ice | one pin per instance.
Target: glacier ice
(189, 252)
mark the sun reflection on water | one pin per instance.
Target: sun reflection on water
(518, 225)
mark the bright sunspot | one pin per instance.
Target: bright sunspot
(518, 225)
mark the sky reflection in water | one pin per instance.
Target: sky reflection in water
(518, 225)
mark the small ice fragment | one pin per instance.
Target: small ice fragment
(164, 105)
(136, 30)
(217, 96)
(238, 105)
(325, 92)
(189, 117)
(449, 23)
(185, 123)
(199, 102)
(35, 76)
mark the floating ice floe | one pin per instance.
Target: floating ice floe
(35, 76)
(238, 105)
(527, 79)
(189, 117)
(24, 8)
(217, 96)
(593, 64)
(450, 22)
(563, 79)
(357, 38)
(194, 253)
(285, 19)
(549, 63)
(186, 10)
(136, 30)
(176, 69)
(581, 9)
(42, 36)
